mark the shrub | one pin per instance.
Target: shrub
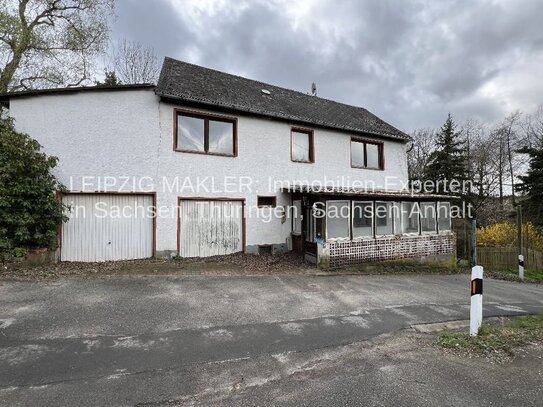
(29, 209)
(505, 234)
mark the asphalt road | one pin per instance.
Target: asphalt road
(227, 340)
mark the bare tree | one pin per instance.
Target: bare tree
(508, 132)
(134, 63)
(46, 43)
(533, 129)
(418, 154)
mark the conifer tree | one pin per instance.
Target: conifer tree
(532, 185)
(448, 161)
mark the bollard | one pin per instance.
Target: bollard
(521, 267)
(476, 310)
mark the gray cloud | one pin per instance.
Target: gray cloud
(408, 62)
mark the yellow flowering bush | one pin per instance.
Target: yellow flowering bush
(505, 234)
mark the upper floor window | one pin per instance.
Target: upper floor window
(301, 146)
(205, 134)
(366, 154)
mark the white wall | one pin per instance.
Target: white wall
(93, 133)
(130, 133)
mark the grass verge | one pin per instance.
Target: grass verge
(496, 338)
(512, 275)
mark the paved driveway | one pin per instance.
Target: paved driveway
(125, 341)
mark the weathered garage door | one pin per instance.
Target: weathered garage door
(107, 227)
(210, 228)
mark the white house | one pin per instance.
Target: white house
(208, 163)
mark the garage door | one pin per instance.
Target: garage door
(210, 228)
(106, 227)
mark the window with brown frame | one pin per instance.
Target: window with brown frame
(367, 154)
(205, 134)
(266, 201)
(301, 146)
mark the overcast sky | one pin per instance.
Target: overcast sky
(409, 62)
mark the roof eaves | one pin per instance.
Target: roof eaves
(99, 88)
(353, 192)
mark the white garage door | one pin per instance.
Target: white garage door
(210, 228)
(106, 227)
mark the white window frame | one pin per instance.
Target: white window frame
(427, 232)
(297, 217)
(390, 219)
(398, 219)
(338, 239)
(372, 236)
(449, 230)
(402, 218)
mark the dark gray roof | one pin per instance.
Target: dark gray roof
(196, 84)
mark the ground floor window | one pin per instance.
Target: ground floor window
(428, 221)
(362, 219)
(410, 217)
(297, 217)
(353, 219)
(384, 218)
(444, 216)
(338, 220)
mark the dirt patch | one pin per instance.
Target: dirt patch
(499, 341)
(238, 264)
(235, 264)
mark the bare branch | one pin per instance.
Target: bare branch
(135, 63)
(49, 40)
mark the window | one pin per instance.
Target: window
(362, 219)
(428, 217)
(338, 220)
(310, 225)
(397, 216)
(297, 217)
(410, 217)
(443, 216)
(384, 212)
(263, 201)
(205, 134)
(365, 154)
(301, 146)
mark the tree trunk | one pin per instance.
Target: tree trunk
(510, 159)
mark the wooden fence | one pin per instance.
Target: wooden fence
(499, 258)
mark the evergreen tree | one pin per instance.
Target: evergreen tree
(532, 185)
(111, 78)
(29, 209)
(448, 162)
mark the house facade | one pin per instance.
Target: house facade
(207, 163)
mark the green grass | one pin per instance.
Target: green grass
(512, 275)
(496, 338)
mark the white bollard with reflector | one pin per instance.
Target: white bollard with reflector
(476, 311)
(521, 267)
